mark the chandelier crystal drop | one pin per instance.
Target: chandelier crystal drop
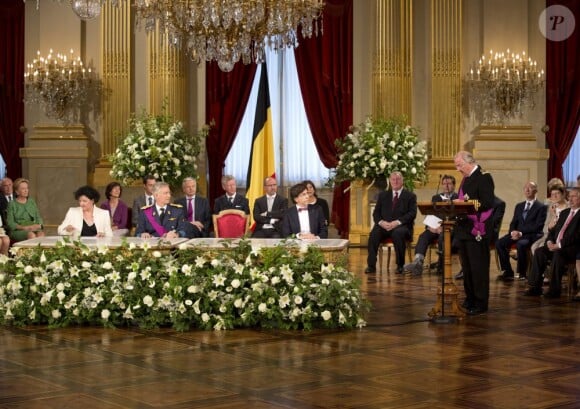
(228, 31)
(502, 85)
(86, 9)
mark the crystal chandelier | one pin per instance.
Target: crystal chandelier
(62, 86)
(228, 31)
(85, 9)
(502, 84)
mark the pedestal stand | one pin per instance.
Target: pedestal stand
(447, 292)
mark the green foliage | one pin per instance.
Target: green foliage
(377, 147)
(288, 287)
(159, 146)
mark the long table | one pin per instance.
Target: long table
(334, 250)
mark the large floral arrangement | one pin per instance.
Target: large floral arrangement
(156, 145)
(377, 147)
(288, 287)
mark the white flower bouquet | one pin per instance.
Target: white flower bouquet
(377, 147)
(283, 287)
(158, 146)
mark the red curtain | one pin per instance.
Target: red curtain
(11, 84)
(227, 95)
(562, 92)
(324, 66)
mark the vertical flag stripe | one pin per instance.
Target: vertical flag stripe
(262, 153)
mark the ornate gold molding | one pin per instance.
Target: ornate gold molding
(446, 18)
(392, 70)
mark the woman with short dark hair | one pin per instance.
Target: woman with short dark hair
(86, 220)
(118, 210)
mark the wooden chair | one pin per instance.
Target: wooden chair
(388, 243)
(231, 224)
(572, 281)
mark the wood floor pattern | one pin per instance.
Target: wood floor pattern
(523, 353)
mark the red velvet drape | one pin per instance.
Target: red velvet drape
(227, 95)
(562, 92)
(324, 66)
(11, 84)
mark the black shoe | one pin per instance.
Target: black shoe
(433, 265)
(400, 270)
(459, 275)
(467, 305)
(522, 278)
(576, 298)
(533, 292)
(476, 311)
(505, 277)
(370, 270)
(552, 294)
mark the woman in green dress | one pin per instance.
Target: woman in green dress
(23, 218)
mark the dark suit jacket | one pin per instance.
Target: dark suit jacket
(138, 203)
(240, 203)
(479, 186)
(291, 223)
(533, 226)
(3, 209)
(201, 213)
(174, 220)
(278, 210)
(570, 243)
(405, 210)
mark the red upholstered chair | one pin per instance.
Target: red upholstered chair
(230, 224)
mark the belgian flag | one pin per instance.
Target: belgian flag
(262, 153)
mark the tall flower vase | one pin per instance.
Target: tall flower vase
(361, 211)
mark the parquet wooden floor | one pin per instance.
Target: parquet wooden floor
(523, 353)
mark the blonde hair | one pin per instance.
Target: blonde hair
(20, 181)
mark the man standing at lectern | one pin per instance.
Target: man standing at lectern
(473, 232)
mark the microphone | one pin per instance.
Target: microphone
(438, 184)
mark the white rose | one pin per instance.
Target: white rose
(326, 315)
(205, 317)
(56, 314)
(105, 314)
(148, 300)
(262, 307)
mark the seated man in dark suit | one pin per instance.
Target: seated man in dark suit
(231, 199)
(394, 217)
(162, 219)
(196, 209)
(6, 196)
(269, 211)
(562, 247)
(145, 199)
(525, 228)
(432, 233)
(305, 221)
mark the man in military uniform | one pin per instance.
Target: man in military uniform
(162, 219)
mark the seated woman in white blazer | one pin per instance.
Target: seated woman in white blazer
(86, 220)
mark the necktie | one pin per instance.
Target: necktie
(161, 214)
(231, 199)
(9, 198)
(395, 199)
(526, 210)
(189, 210)
(563, 229)
(150, 200)
(302, 209)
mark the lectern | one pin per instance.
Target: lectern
(447, 293)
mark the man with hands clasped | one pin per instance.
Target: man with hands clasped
(304, 221)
